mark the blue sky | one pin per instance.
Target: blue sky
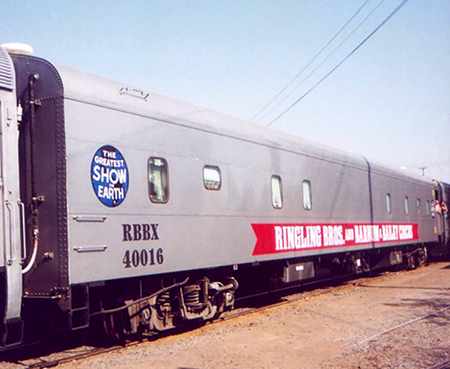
(390, 101)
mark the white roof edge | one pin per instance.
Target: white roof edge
(17, 48)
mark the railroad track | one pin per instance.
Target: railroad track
(82, 355)
(445, 364)
(307, 290)
(285, 296)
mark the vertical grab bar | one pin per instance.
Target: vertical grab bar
(12, 254)
(22, 229)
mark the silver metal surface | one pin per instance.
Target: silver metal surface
(198, 228)
(298, 271)
(10, 235)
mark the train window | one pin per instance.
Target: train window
(211, 177)
(418, 203)
(158, 180)
(427, 207)
(277, 192)
(388, 203)
(435, 194)
(407, 205)
(307, 198)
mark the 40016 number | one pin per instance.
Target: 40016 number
(135, 258)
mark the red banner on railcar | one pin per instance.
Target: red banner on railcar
(278, 238)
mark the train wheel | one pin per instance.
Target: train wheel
(422, 256)
(411, 261)
(114, 328)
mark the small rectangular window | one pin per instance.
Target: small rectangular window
(211, 177)
(158, 180)
(407, 205)
(418, 203)
(307, 198)
(277, 192)
(435, 194)
(427, 207)
(388, 203)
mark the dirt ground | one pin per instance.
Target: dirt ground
(337, 329)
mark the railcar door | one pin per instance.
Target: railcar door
(445, 215)
(11, 210)
(442, 226)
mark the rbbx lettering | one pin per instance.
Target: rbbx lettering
(140, 232)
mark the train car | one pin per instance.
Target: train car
(132, 211)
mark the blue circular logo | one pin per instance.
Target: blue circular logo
(109, 176)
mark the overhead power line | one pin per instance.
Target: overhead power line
(400, 6)
(311, 61)
(323, 61)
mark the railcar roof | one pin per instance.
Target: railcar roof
(90, 88)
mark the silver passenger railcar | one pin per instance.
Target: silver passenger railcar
(129, 209)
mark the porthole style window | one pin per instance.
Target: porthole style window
(407, 205)
(388, 203)
(158, 187)
(427, 207)
(277, 192)
(211, 178)
(307, 197)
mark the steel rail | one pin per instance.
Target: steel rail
(433, 313)
(444, 364)
(79, 356)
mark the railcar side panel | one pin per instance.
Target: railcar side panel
(404, 193)
(11, 210)
(213, 228)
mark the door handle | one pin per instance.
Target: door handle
(12, 255)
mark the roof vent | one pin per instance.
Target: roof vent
(6, 72)
(17, 48)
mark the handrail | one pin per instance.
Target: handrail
(11, 257)
(22, 227)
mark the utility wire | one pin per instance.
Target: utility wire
(401, 5)
(311, 61)
(323, 61)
